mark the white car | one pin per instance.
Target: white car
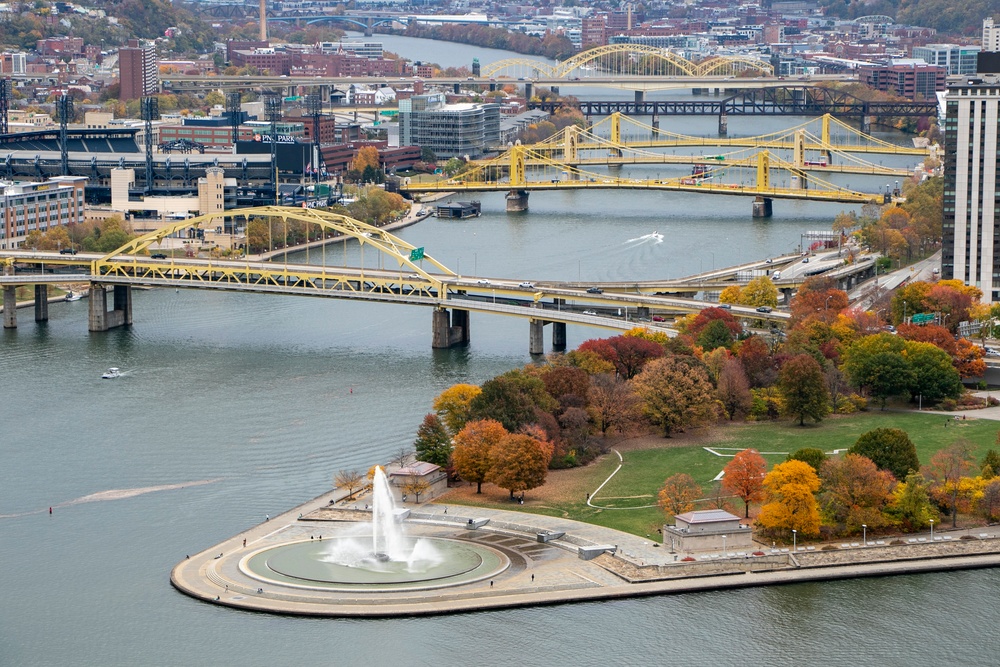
(589, 312)
(990, 352)
(527, 285)
(482, 281)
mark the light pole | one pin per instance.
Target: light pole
(864, 533)
(723, 546)
(795, 535)
(932, 530)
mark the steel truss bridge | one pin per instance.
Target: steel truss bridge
(781, 100)
(619, 139)
(557, 164)
(405, 281)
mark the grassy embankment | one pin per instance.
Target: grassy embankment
(628, 501)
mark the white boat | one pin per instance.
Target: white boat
(111, 374)
(73, 296)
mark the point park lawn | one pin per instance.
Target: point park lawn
(628, 501)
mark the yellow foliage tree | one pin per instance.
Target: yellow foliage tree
(759, 292)
(791, 503)
(731, 295)
(452, 405)
(367, 156)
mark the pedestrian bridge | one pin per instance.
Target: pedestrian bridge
(405, 275)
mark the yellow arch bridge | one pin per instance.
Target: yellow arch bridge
(559, 164)
(405, 275)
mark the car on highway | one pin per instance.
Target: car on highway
(659, 318)
(805, 261)
(725, 306)
(67, 251)
(413, 276)
(990, 352)
(589, 312)
(595, 290)
(527, 285)
(764, 309)
(157, 255)
(482, 281)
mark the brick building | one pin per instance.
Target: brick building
(910, 79)
(137, 70)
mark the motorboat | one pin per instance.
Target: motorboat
(73, 296)
(111, 374)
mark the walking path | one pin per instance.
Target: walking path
(549, 560)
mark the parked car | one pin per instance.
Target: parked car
(764, 309)
(595, 290)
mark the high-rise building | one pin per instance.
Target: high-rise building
(137, 70)
(971, 245)
(450, 130)
(991, 35)
(26, 207)
(955, 58)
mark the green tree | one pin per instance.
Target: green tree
(715, 334)
(471, 454)
(911, 503)
(877, 363)
(676, 393)
(678, 494)
(519, 462)
(505, 400)
(433, 444)
(991, 460)
(803, 387)
(889, 449)
(934, 374)
(810, 455)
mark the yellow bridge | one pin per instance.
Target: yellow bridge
(557, 164)
(404, 281)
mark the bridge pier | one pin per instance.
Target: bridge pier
(762, 207)
(642, 313)
(41, 303)
(655, 124)
(723, 124)
(866, 125)
(559, 336)
(529, 90)
(536, 336)
(517, 201)
(449, 328)
(640, 96)
(786, 294)
(102, 319)
(9, 307)
(456, 88)
(554, 89)
(696, 91)
(493, 87)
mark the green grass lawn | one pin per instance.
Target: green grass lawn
(627, 502)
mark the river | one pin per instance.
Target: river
(237, 406)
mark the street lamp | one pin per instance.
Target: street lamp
(795, 540)
(864, 533)
(932, 530)
(723, 546)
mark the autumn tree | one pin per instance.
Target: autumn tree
(414, 485)
(990, 466)
(759, 292)
(855, 492)
(818, 297)
(889, 449)
(350, 480)
(519, 462)
(453, 405)
(510, 399)
(944, 474)
(804, 389)
(679, 494)
(755, 356)
(367, 156)
(743, 477)
(472, 446)
(612, 403)
(790, 503)
(566, 381)
(734, 389)
(676, 393)
(433, 444)
(988, 504)
(911, 503)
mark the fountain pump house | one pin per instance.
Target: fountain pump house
(707, 530)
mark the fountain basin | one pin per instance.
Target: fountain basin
(435, 563)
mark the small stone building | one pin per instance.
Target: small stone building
(707, 530)
(433, 477)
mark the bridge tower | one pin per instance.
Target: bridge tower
(825, 138)
(570, 142)
(517, 197)
(762, 205)
(616, 132)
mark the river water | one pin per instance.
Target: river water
(236, 406)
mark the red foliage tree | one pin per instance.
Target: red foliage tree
(744, 477)
(757, 363)
(708, 315)
(818, 298)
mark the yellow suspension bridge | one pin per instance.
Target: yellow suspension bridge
(557, 164)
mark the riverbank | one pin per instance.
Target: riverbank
(581, 562)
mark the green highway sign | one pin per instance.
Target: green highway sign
(922, 318)
(417, 254)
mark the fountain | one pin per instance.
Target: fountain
(376, 556)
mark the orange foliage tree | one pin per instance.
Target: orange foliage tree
(855, 492)
(519, 462)
(744, 477)
(471, 455)
(678, 494)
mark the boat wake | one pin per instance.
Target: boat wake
(655, 237)
(116, 494)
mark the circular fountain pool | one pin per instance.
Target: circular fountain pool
(338, 564)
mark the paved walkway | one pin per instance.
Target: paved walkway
(546, 572)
